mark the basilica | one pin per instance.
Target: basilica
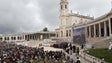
(81, 29)
(67, 20)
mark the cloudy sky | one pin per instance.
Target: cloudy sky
(18, 16)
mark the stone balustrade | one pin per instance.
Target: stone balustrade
(91, 58)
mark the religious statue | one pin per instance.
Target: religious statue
(110, 46)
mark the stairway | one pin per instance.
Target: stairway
(102, 43)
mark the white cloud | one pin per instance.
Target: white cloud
(17, 16)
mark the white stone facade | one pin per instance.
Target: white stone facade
(67, 20)
(27, 36)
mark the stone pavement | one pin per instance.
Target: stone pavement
(74, 57)
(36, 44)
(82, 59)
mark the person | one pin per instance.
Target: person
(71, 60)
(78, 60)
(82, 46)
(78, 50)
(74, 49)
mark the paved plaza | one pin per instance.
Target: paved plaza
(48, 48)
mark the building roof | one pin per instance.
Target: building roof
(96, 20)
(101, 17)
(82, 16)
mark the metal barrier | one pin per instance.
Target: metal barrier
(91, 58)
(69, 55)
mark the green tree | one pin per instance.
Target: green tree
(45, 29)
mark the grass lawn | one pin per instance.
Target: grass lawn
(101, 53)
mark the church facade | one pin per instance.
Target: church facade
(67, 20)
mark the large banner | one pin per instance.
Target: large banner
(79, 36)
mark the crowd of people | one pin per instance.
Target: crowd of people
(12, 53)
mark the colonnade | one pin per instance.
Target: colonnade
(12, 38)
(64, 33)
(27, 37)
(101, 29)
(37, 36)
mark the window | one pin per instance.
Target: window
(66, 33)
(69, 32)
(65, 6)
(61, 6)
(61, 33)
(57, 35)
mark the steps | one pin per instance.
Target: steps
(100, 42)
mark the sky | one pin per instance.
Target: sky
(22, 16)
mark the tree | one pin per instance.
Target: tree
(45, 29)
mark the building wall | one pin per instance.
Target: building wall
(27, 37)
(98, 30)
(67, 20)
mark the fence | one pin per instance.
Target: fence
(91, 58)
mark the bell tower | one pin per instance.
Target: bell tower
(63, 7)
(63, 12)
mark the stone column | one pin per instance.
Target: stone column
(94, 31)
(86, 32)
(49, 36)
(105, 29)
(34, 37)
(89, 31)
(37, 37)
(41, 37)
(28, 37)
(109, 27)
(99, 30)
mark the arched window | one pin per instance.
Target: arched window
(61, 6)
(66, 33)
(61, 33)
(65, 6)
(57, 34)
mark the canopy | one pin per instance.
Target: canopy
(52, 49)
